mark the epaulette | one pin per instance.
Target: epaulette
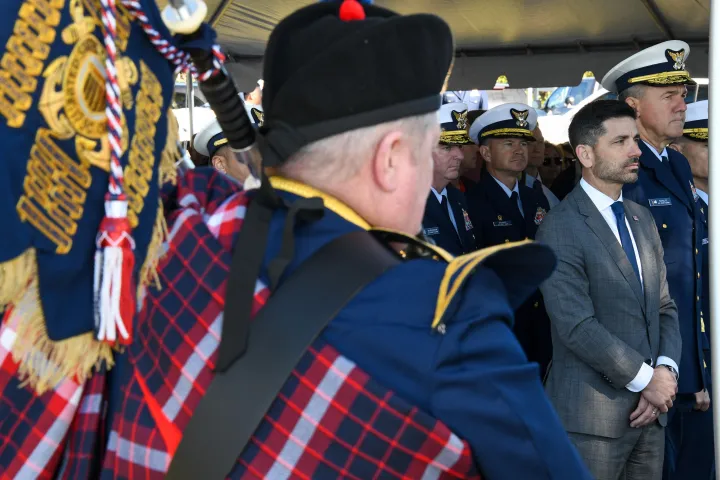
(411, 247)
(522, 266)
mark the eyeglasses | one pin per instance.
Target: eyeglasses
(549, 160)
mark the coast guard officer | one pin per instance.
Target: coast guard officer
(446, 220)
(699, 448)
(211, 143)
(505, 210)
(653, 82)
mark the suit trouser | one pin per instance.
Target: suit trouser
(637, 455)
(689, 446)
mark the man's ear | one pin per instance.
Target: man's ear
(484, 152)
(387, 162)
(634, 104)
(585, 155)
(218, 161)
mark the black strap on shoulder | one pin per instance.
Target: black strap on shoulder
(297, 312)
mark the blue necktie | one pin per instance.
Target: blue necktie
(619, 211)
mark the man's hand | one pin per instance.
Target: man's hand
(644, 414)
(662, 389)
(702, 401)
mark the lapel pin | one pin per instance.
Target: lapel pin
(635, 217)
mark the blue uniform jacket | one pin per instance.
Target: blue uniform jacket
(497, 221)
(469, 372)
(668, 191)
(705, 276)
(437, 225)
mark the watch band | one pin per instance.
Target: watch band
(673, 371)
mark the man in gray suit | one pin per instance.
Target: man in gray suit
(616, 340)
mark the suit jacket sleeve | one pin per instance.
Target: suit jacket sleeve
(487, 392)
(571, 310)
(670, 339)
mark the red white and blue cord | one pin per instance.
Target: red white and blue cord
(114, 286)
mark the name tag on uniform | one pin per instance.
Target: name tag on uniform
(431, 231)
(660, 202)
(705, 241)
(504, 223)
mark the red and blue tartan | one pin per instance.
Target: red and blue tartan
(330, 420)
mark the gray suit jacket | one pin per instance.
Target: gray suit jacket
(603, 325)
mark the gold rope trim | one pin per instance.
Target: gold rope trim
(43, 363)
(171, 153)
(509, 131)
(664, 78)
(458, 136)
(457, 272)
(148, 271)
(699, 133)
(15, 274)
(331, 203)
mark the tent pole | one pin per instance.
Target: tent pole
(714, 270)
(190, 103)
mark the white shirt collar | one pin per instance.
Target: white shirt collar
(658, 155)
(530, 180)
(439, 195)
(703, 195)
(600, 200)
(507, 191)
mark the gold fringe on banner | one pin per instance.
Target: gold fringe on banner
(171, 153)
(15, 275)
(43, 363)
(155, 252)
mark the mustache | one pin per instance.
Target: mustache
(632, 161)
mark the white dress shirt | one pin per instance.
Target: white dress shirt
(603, 203)
(439, 199)
(509, 192)
(662, 155)
(703, 194)
(551, 198)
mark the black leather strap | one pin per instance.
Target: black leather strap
(303, 305)
(247, 258)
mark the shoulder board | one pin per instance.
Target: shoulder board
(522, 266)
(414, 246)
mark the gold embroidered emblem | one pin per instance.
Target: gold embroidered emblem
(461, 119)
(258, 116)
(678, 57)
(139, 170)
(72, 102)
(23, 59)
(520, 117)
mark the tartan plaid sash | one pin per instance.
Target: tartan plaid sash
(330, 420)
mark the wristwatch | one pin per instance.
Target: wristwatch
(673, 371)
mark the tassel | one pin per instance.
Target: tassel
(114, 286)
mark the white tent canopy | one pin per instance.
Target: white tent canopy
(533, 42)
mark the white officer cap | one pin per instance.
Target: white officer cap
(660, 65)
(696, 121)
(211, 138)
(510, 120)
(452, 118)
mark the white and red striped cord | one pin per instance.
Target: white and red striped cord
(114, 294)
